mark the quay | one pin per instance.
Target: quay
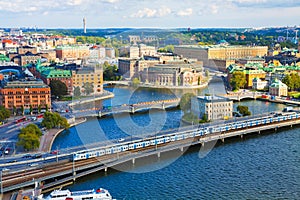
(73, 165)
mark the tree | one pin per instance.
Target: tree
(136, 81)
(238, 80)
(58, 88)
(46, 107)
(29, 137)
(22, 110)
(88, 88)
(14, 110)
(292, 81)
(39, 108)
(4, 113)
(30, 109)
(244, 110)
(77, 92)
(185, 102)
(54, 120)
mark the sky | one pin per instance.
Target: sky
(148, 13)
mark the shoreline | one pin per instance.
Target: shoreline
(47, 139)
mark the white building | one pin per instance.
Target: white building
(214, 107)
(259, 84)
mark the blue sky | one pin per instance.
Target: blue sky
(149, 13)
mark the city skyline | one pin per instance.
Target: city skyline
(151, 14)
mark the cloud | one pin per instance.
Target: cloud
(265, 3)
(110, 1)
(186, 12)
(74, 2)
(151, 13)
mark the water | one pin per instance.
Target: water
(258, 167)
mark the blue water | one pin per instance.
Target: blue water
(257, 167)
(262, 167)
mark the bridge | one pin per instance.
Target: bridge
(125, 83)
(237, 96)
(128, 108)
(74, 164)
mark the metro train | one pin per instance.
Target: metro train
(172, 137)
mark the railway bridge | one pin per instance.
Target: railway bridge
(78, 163)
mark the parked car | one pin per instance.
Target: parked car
(55, 152)
(38, 155)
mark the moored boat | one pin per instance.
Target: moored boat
(99, 194)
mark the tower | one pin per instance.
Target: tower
(84, 25)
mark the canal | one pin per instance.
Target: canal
(258, 167)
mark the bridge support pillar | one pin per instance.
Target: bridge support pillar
(242, 136)
(133, 160)
(223, 140)
(202, 144)
(259, 132)
(163, 105)
(74, 175)
(132, 109)
(158, 154)
(181, 148)
(291, 125)
(105, 169)
(99, 113)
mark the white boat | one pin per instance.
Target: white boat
(99, 194)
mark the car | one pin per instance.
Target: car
(121, 140)
(38, 155)
(33, 164)
(27, 156)
(55, 152)
(5, 169)
(12, 161)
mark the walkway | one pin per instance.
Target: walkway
(47, 139)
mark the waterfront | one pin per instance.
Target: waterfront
(259, 167)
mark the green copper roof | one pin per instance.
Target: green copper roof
(4, 58)
(53, 73)
(277, 83)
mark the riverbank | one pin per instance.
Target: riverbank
(47, 139)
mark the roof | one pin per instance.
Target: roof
(53, 73)
(278, 84)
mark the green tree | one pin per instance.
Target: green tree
(14, 110)
(244, 110)
(135, 82)
(238, 80)
(206, 73)
(58, 88)
(54, 120)
(4, 113)
(88, 88)
(185, 102)
(292, 81)
(22, 110)
(39, 108)
(30, 109)
(77, 92)
(29, 137)
(46, 107)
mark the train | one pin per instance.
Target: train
(172, 137)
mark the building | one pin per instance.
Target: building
(253, 73)
(259, 84)
(50, 73)
(219, 52)
(214, 107)
(110, 52)
(277, 88)
(26, 93)
(25, 49)
(88, 75)
(97, 52)
(72, 52)
(171, 75)
(24, 59)
(134, 39)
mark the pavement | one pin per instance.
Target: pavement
(47, 139)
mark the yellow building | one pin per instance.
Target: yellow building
(219, 52)
(88, 75)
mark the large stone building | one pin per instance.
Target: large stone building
(213, 107)
(211, 55)
(25, 93)
(72, 52)
(171, 75)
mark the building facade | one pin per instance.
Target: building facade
(88, 75)
(218, 52)
(72, 52)
(26, 93)
(259, 84)
(213, 107)
(277, 88)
